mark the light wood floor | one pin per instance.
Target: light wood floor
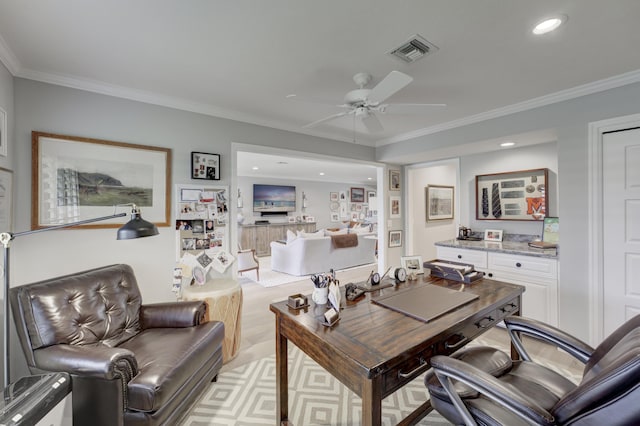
(258, 324)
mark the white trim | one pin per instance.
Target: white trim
(8, 58)
(595, 249)
(563, 95)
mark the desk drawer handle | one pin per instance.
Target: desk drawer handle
(518, 264)
(414, 371)
(511, 307)
(457, 345)
(487, 324)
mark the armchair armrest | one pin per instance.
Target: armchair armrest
(447, 368)
(549, 334)
(173, 314)
(100, 362)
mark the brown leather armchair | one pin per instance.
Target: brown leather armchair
(129, 363)
(482, 385)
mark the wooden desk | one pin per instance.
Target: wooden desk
(374, 351)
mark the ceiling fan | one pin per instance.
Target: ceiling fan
(363, 103)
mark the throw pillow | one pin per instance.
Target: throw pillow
(339, 232)
(291, 236)
(317, 234)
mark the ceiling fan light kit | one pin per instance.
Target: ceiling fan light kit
(363, 103)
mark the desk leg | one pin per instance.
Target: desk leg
(372, 402)
(282, 378)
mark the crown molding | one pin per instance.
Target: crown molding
(8, 58)
(169, 102)
(563, 95)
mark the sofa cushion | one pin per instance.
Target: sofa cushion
(317, 234)
(164, 369)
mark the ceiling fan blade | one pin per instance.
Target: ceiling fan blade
(393, 82)
(323, 120)
(372, 123)
(409, 108)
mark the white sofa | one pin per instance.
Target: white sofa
(304, 256)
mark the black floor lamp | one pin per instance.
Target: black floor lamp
(135, 228)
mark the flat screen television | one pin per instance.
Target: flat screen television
(274, 198)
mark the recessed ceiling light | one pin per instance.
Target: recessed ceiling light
(282, 162)
(369, 178)
(321, 173)
(254, 168)
(549, 24)
(506, 144)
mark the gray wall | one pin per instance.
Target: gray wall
(570, 121)
(56, 109)
(317, 199)
(6, 103)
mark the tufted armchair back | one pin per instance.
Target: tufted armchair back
(99, 306)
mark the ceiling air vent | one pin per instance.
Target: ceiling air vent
(413, 49)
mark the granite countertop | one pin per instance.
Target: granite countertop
(509, 247)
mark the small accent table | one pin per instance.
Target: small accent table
(224, 303)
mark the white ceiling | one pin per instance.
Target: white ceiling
(284, 167)
(239, 59)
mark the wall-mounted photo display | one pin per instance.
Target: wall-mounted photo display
(395, 238)
(201, 216)
(205, 166)
(357, 195)
(439, 202)
(394, 207)
(519, 195)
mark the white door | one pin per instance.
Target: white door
(621, 227)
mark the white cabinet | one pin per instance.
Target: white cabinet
(539, 275)
(477, 258)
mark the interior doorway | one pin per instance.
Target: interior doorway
(599, 224)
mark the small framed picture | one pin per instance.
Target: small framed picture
(205, 166)
(335, 217)
(394, 180)
(395, 238)
(357, 195)
(310, 219)
(412, 264)
(394, 207)
(333, 196)
(291, 219)
(493, 235)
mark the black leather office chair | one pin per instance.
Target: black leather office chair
(482, 385)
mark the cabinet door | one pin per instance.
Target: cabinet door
(277, 232)
(538, 275)
(263, 248)
(477, 258)
(247, 237)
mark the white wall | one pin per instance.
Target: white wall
(507, 160)
(317, 199)
(422, 235)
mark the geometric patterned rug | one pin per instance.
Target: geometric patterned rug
(246, 396)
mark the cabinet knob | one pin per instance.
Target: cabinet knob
(518, 264)
(490, 274)
(459, 256)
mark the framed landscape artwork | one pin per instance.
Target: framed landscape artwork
(439, 202)
(76, 178)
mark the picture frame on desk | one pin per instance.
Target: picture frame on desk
(493, 235)
(75, 177)
(412, 264)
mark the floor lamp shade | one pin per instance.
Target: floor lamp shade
(135, 228)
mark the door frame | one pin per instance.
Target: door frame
(596, 219)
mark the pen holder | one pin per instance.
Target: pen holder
(320, 295)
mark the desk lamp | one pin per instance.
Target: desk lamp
(135, 228)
